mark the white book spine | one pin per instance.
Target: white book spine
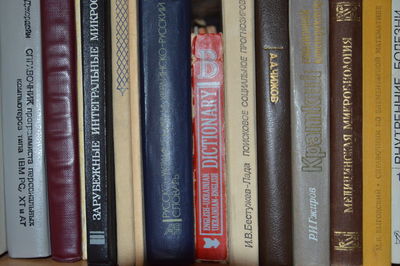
(396, 131)
(308, 27)
(240, 129)
(23, 142)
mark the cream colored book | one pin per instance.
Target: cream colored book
(136, 136)
(80, 125)
(240, 128)
(121, 91)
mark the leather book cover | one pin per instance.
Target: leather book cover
(98, 132)
(61, 127)
(165, 77)
(376, 132)
(240, 132)
(273, 132)
(309, 77)
(137, 173)
(209, 147)
(121, 90)
(21, 84)
(346, 132)
(395, 129)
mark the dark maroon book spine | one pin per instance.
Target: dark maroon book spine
(61, 127)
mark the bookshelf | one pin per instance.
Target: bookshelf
(7, 261)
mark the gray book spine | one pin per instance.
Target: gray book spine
(3, 245)
(308, 26)
(22, 117)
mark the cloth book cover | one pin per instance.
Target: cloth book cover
(308, 29)
(164, 45)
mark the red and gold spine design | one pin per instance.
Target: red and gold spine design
(209, 147)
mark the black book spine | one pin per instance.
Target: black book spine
(100, 195)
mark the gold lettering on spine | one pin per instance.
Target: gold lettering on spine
(347, 241)
(348, 11)
(273, 77)
(347, 124)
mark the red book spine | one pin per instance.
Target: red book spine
(209, 147)
(61, 132)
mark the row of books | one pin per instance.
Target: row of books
(126, 141)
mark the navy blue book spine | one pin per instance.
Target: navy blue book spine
(164, 30)
(99, 165)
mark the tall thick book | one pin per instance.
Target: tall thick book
(3, 239)
(121, 91)
(395, 82)
(21, 86)
(308, 27)
(137, 166)
(240, 128)
(346, 128)
(98, 137)
(376, 102)
(209, 147)
(164, 36)
(61, 127)
(273, 132)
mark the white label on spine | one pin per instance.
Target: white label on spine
(97, 238)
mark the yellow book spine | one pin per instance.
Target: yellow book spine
(376, 132)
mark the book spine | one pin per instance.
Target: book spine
(395, 131)
(209, 147)
(376, 32)
(346, 129)
(308, 27)
(137, 165)
(97, 94)
(80, 125)
(61, 131)
(122, 132)
(3, 238)
(21, 86)
(164, 34)
(273, 132)
(240, 128)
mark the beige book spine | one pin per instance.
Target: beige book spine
(240, 128)
(80, 125)
(122, 132)
(136, 136)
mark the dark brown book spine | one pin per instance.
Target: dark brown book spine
(346, 130)
(273, 132)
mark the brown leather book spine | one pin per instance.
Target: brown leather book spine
(346, 131)
(273, 132)
(61, 127)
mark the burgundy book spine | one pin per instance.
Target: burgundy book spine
(61, 127)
